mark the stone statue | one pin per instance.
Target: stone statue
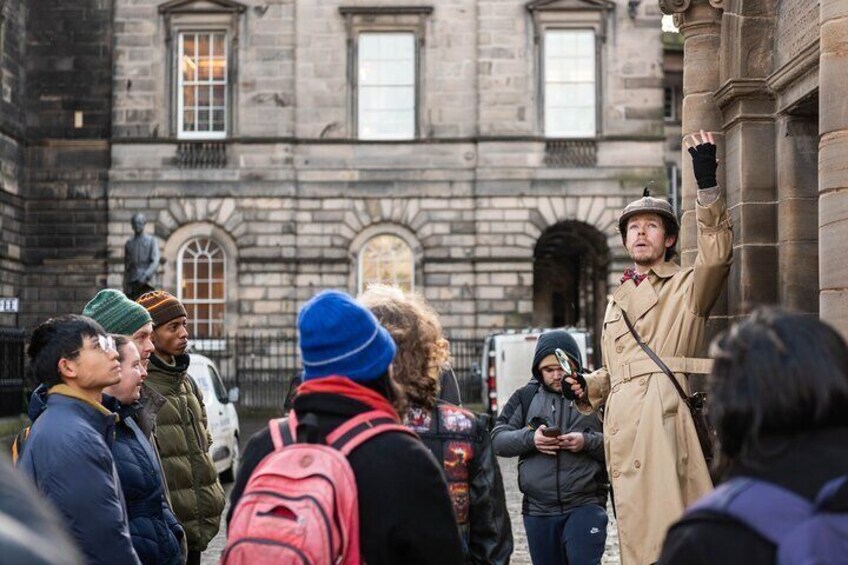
(141, 259)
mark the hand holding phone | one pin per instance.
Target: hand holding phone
(551, 432)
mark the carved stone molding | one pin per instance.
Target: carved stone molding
(669, 7)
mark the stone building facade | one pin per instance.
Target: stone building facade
(270, 144)
(769, 75)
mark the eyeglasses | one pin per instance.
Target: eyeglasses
(105, 343)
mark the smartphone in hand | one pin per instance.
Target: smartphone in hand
(551, 432)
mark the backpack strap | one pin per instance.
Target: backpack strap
(526, 395)
(282, 431)
(363, 427)
(828, 491)
(770, 510)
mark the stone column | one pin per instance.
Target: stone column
(833, 166)
(797, 143)
(700, 23)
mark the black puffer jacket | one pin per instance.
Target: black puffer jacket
(404, 511)
(459, 439)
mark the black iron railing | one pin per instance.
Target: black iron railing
(12, 367)
(263, 365)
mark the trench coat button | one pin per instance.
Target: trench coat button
(637, 464)
(619, 348)
(615, 388)
(616, 474)
(643, 381)
(614, 431)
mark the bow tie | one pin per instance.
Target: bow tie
(632, 275)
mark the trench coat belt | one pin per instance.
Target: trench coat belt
(687, 365)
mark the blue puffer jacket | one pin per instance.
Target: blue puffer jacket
(154, 529)
(68, 456)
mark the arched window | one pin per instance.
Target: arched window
(201, 269)
(386, 259)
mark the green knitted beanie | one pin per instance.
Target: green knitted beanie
(116, 313)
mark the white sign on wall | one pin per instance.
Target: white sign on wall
(9, 305)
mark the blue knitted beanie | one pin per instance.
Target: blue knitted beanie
(340, 337)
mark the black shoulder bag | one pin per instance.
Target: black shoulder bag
(697, 403)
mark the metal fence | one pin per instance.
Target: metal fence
(12, 344)
(263, 365)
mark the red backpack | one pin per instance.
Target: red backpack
(300, 504)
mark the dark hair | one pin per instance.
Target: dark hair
(775, 374)
(670, 229)
(55, 339)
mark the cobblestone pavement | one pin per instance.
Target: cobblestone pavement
(520, 555)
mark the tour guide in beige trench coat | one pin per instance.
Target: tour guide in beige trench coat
(653, 456)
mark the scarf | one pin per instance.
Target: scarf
(346, 387)
(632, 275)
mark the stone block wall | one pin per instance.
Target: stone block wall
(12, 142)
(299, 195)
(68, 111)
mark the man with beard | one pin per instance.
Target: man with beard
(653, 455)
(181, 433)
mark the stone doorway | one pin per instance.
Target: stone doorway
(570, 265)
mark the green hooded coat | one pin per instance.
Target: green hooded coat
(196, 493)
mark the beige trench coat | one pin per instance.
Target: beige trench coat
(653, 456)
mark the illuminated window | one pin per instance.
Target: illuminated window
(202, 85)
(202, 287)
(570, 90)
(386, 259)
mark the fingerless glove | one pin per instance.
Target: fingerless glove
(704, 164)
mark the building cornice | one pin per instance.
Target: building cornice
(385, 10)
(735, 89)
(796, 69)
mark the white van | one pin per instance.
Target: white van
(221, 414)
(507, 360)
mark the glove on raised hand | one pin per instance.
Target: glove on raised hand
(704, 164)
(566, 388)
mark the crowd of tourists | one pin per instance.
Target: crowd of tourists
(378, 462)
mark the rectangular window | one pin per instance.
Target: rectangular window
(570, 91)
(670, 103)
(202, 85)
(386, 86)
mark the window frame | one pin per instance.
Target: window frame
(196, 16)
(180, 104)
(359, 86)
(543, 106)
(360, 282)
(570, 15)
(209, 322)
(385, 19)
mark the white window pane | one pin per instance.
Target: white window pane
(386, 94)
(570, 91)
(204, 298)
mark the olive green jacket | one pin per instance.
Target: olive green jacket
(196, 493)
